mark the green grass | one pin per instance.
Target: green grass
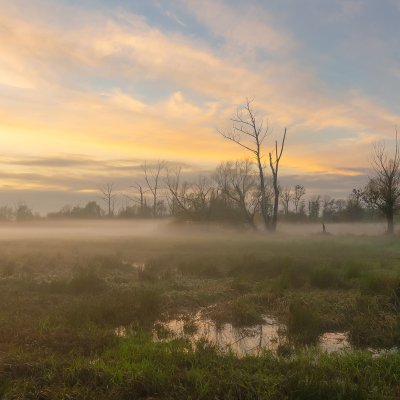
(137, 368)
(62, 300)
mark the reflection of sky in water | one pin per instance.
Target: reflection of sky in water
(239, 340)
(247, 341)
(334, 341)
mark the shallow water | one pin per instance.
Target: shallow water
(244, 341)
(240, 341)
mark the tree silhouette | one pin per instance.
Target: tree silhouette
(385, 185)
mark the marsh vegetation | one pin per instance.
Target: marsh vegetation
(200, 315)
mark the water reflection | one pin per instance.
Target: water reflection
(120, 331)
(271, 335)
(241, 341)
(138, 266)
(334, 341)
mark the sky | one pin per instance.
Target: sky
(91, 89)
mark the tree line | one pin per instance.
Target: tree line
(230, 194)
(245, 191)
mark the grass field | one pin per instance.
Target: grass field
(65, 303)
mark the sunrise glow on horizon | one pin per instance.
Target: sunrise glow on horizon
(90, 89)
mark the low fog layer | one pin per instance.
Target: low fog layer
(165, 228)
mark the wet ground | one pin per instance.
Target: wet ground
(270, 335)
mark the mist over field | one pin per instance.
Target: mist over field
(164, 228)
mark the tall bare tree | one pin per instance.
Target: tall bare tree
(249, 132)
(386, 182)
(153, 179)
(274, 160)
(108, 196)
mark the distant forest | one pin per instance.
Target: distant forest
(229, 195)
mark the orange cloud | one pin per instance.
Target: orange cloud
(47, 104)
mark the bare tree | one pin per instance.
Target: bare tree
(299, 192)
(139, 199)
(177, 191)
(286, 197)
(238, 182)
(370, 197)
(386, 182)
(153, 178)
(108, 196)
(249, 132)
(314, 206)
(328, 207)
(142, 192)
(199, 196)
(274, 164)
(189, 200)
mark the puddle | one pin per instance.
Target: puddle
(242, 341)
(120, 331)
(138, 266)
(334, 341)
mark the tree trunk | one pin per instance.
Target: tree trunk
(250, 220)
(276, 204)
(264, 211)
(390, 223)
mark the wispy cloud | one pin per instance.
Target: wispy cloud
(246, 27)
(80, 84)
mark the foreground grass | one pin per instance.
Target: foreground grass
(138, 368)
(62, 300)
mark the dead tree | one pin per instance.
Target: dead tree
(177, 192)
(108, 196)
(249, 132)
(237, 181)
(140, 198)
(274, 164)
(299, 192)
(191, 201)
(153, 178)
(286, 197)
(386, 182)
(141, 192)
(314, 207)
